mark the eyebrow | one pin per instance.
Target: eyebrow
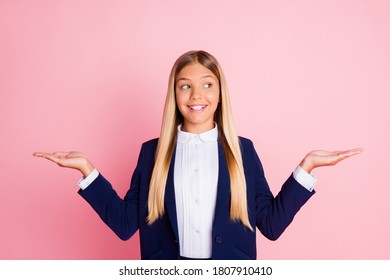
(203, 77)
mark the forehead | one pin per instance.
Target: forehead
(195, 71)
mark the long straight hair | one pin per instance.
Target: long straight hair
(227, 134)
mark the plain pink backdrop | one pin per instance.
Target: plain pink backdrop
(92, 76)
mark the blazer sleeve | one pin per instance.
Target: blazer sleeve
(274, 214)
(121, 215)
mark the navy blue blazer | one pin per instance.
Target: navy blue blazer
(231, 240)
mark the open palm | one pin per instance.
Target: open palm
(75, 160)
(318, 158)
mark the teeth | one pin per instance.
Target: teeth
(197, 108)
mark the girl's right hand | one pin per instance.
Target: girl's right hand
(74, 160)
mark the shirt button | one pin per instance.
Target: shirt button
(196, 170)
(197, 201)
(218, 239)
(197, 231)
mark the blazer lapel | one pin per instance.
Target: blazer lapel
(222, 205)
(170, 200)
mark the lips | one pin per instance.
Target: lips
(197, 108)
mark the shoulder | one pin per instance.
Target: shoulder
(248, 149)
(249, 154)
(148, 150)
(151, 142)
(245, 142)
(150, 145)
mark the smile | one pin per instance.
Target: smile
(197, 108)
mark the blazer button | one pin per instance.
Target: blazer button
(218, 239)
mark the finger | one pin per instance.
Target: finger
(352, 152)
(58, 153)
(320, 153)
(339, 156)
(54, 158)
(40, 154)
(357, 150)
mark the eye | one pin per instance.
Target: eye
(184, 86)
(208, 85)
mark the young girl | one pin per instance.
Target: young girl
(198, 191)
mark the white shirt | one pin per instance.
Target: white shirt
(195, 182)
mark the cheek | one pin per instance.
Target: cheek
(180, 104)
(215, 97)
(178, 99)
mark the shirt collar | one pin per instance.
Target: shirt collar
(207, 136)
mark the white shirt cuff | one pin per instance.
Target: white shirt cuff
(85, 182)
(305, 179)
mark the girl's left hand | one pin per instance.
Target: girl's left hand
(320, 158)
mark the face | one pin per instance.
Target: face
(197, 97)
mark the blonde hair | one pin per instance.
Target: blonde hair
(227, 133)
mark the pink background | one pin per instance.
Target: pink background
(92, 76)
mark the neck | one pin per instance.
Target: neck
(197, 128)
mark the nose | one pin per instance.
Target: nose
(196, 93)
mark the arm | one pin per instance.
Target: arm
(275, 214)
(120, 215)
